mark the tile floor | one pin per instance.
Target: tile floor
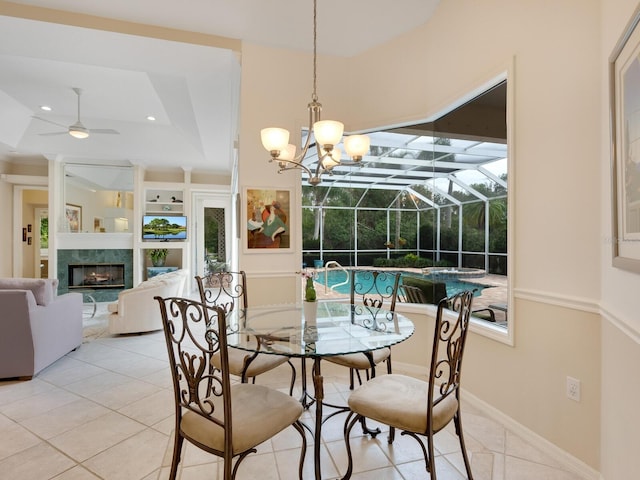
(105, 412)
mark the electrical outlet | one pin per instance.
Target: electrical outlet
(573, 389)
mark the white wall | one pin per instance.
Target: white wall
(620, 323)
(6, 218)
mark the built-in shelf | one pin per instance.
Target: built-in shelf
(164, 201)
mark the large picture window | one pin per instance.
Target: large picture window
(429, 199)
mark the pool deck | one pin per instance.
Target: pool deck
(495, 295)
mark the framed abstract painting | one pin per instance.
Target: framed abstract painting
(268, 217)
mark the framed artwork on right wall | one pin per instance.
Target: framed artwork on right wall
(624, 104)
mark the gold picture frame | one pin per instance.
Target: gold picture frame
(268, 219)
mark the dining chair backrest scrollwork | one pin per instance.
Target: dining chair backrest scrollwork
(370, 289)
(421, 408)
(224, 289)
(374, 288)
(228, 290)
(203, 392)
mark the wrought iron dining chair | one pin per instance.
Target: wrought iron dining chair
(421, 408)
(370, 289)
(228, 290)
(224, 419)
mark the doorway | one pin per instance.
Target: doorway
(213, 248)
(26, 251)
(41, 242)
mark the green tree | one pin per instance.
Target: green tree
(44, 232)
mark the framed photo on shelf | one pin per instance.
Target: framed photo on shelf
(73, 214)
(624, 105)
(97, 224)
(267, 219)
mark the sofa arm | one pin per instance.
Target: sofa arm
(56, 328)
(16, 344)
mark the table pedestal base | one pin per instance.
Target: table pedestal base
(308, 400)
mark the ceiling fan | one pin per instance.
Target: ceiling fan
(77, 130)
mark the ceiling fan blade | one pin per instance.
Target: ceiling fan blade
(49, 121)
(53, 133)
(109, 131)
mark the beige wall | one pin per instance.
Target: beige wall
(555, 241)
(276, 88)
(560, 186)
(620, 323)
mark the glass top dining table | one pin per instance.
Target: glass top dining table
(338, 328)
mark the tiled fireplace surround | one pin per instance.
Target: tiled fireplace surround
(97, 256)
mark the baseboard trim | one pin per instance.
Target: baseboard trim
(569, 462)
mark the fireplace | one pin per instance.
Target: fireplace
(96, 275)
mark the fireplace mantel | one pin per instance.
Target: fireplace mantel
(82, 241)
(99, 255)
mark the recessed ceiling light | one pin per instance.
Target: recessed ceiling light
(46, 108)
(151, 118)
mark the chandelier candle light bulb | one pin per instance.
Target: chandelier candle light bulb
(328, 133)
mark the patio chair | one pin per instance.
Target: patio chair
(432, 292)
(421, 408)
(370, 289)
(411, 294)
(228, 290)
(417, 290)
(226, 420)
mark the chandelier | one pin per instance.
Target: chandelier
(327, 134)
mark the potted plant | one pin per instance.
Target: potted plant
(158, 256)
(310, 304)
(309, 288)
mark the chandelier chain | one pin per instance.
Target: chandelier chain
(327, 134)
(314, 96)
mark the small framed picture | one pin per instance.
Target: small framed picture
(29, 228)
(29, 240)
(24, 234)
(73, 213)
(268, 220)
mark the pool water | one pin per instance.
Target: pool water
(335, 277)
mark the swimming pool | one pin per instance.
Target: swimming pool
(338, 276)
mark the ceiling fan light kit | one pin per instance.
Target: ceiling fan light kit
(327, 133)
(77, 130)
